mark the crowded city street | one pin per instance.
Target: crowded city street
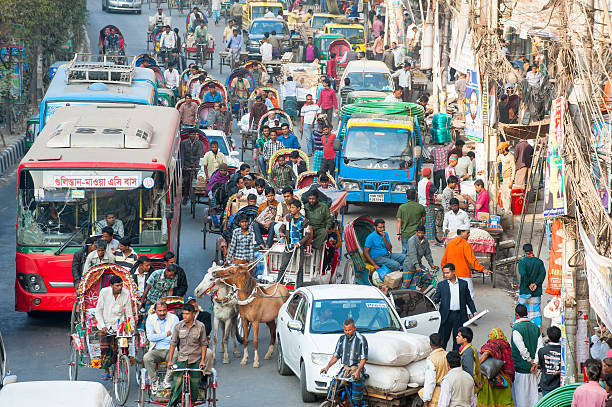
(334, 203)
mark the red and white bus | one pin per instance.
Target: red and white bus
(87, 162)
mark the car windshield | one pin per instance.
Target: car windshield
(383, 148)
(325, 43)
(319, 22)
(370, 80)
(370, 315)
(221, 141)
(59, 206)
(260, 11)
(353, 35)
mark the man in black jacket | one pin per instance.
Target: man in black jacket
(549, 361)
(79, 259)
(181, 279)
(453, 295)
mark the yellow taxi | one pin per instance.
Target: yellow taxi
(354, 33)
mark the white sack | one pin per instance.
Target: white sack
(390, 348)
(387, 378)
(416, 371)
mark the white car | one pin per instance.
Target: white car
(5, 376)
(310, 323)
(226, 146)
(61, 393)
(367, 75)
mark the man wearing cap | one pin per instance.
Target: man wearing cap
(125, 256)
(506, 174)
(426, 191)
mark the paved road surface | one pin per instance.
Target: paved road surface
(38, 347)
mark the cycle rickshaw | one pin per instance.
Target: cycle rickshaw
(237, 100)
(85, 344)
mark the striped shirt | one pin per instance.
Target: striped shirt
(241, 246)
(125, 261)
(271, 147)
(350, 351)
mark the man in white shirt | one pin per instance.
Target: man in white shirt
(396, 96)
(533, 77)
(308, 115)
(455, 219)
(99, 256)
(171, 76)
(265, 49)
(212, 159)
(270, 13)
(159, 328)
(114, 304)
(140, 273)
(197, 86)
(168, 38)
(398, 54)
(405, 81)
(457, 387)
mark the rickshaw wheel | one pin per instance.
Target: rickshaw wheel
(73, 364)
(186, 402)
(141, 389)
(122, 379)
(139, 363)
(73, 318)
(204, 231)
(438, 226)
(211, 396)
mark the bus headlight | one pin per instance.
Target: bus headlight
(350, 185)
(32, 283)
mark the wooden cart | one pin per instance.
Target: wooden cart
(406, 398)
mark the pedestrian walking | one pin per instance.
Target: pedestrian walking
(426, 192)
(290, 102)
(470, 362)
(317, 133)
(459, 252)
(440, 156)
(525, 342)
(405, 81)
(327, 100)
(548, 360)
(435, 370)
(308, 115)
(328, 162)
(378, 46)
(453, 296)
(409, 215)
(457, 387)
(532, 274)
(523, 155)
(497, 391)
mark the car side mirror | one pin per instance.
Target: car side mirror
(418, 152)
(337, 145)
(345, 160)
(410, 324)
(295, 325)
(169, 213)
(9, 379)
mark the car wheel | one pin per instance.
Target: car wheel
(282, 367)
(307, 397)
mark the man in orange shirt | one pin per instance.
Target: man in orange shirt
(460, 253)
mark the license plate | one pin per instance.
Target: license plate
(376, 198)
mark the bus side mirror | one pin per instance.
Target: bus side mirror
(337, 145)
(169, 213)
(417, 152)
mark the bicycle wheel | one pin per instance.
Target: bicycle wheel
(186, 402)
(211, 396)
(139, 363)
(73, 318)
(73, 364)
(142, 393)
(438, 223)
(122, 379)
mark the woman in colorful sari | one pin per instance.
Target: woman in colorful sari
(497, 391)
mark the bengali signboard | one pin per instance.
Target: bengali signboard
(599, 276)
(92, 181)
(555, 202)
(473, 113)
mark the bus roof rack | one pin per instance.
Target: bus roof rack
(88, 68)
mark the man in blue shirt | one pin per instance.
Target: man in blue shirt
(377, 250)
(212, 95)
(288, 139)
(159, 328)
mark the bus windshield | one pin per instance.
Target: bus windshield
(360, 80)
(384, 148)
(353, 35)
(260, 11)
(319, 22)
(66, 206)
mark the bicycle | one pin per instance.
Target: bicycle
(340, 394)
(121, 369)
(439, 223)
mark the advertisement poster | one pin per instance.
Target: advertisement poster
(473, 113)
(599, 276)
(555, 259)
(555, 202)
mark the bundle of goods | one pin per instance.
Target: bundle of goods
(391, 367)
(310, 73)
(440, 128)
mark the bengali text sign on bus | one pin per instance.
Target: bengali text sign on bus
(96, 181)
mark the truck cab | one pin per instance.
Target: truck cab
(354, 33)
(379, 157)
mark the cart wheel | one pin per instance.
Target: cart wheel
(204, 231)
(438, 225)
(73, 318)
(122, 379)
(73, 364)
(238, 330)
